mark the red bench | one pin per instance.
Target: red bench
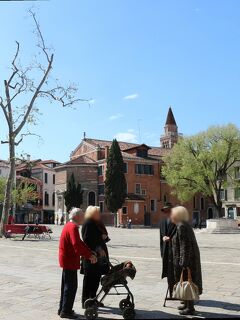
(38, 231)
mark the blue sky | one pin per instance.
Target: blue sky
(133, 58)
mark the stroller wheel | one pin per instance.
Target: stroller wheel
(125, 303)
(90, 303)
(129, 313)
(91, 313)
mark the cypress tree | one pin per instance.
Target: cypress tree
(115, 183)
(73, 196)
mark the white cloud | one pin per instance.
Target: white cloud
(131, 96)
(128, 136)
(116, 116)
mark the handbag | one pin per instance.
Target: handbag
(186, 290)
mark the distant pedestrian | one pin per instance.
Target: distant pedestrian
(36, 219)
(129, 223)
(57, 219)
(62, 220)
(71, 248)
(11, 219)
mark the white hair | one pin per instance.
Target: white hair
(181, 213)
(91, 211)
(74, 212)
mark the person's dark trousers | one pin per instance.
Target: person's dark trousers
(68, 290)
(91, 283)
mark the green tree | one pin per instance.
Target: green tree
(2, 189)
(115, 183)
(24, 192)
(204, 163)
(73, 196)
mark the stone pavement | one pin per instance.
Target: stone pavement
(30, 276)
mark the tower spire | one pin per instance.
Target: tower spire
(170, 118)
(171, 131)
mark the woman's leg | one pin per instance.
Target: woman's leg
(86, 287)
(95, 284)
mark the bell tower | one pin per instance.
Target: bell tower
(171, 134)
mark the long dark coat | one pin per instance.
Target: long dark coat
(186, 253)
(166, 229)
(92, 236)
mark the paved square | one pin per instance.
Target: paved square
(30, 276)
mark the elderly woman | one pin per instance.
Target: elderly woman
(95, 236)
(185, 254)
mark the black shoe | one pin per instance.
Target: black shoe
(187, 312)
(70, 315)
(182, 307)
(59, 312)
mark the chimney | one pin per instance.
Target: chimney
(106, 151)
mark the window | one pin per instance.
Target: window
(194, 203)
(144, 169)
(101, 189)
(144, 192)
(153, 205)
(202, 204)
(142, 153)
(237, 194)
(100, 170)
(46, 198)
(46, 178)
(223, 195)
(237, 173)
(125, 167)
(165, 199)
(53, 178)
(124, 210)
(101, 205)
(138, 188)
(53, 199)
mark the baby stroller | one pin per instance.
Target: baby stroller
(115, 279)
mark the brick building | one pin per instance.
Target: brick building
(147, 191)
(85, 171)
(43, 173)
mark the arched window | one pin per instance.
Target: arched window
(91, 198)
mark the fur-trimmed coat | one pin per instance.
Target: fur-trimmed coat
(186, 253)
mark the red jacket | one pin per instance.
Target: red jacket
(71, 248)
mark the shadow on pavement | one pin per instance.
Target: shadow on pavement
(157, 314)
(219, 304)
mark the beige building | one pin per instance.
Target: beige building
(4, 169)
(231, 195)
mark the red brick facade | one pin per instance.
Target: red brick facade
(147, 192)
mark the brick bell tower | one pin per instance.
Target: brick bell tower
(171, 135)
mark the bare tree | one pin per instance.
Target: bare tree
(28, 84)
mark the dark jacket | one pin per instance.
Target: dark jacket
(166, 229)
(92, 236)
(186, 253)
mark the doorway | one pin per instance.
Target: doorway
(230, 213)
(147, 217)
(91, 198)
(210, 213)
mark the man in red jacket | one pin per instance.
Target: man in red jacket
(71, 248)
